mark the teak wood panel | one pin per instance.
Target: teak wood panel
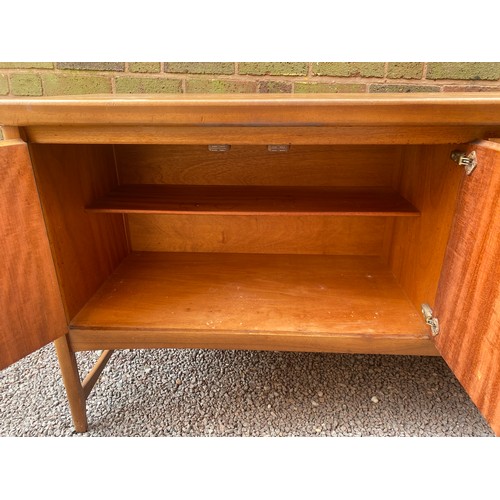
(468, 298)
(254, 200)
(252, 301)
(87, 247)
(233, 134)
(340, 235)
(254, 109)
(255, 165)
(84, 340)
(32, 313)
(430, 180)
(10, 133)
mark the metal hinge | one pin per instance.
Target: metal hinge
(469, 162)
(219, 147)
(430, 319)
(278, 148)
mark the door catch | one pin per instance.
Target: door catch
(430, 319)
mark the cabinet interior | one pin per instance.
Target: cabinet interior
(329, 248)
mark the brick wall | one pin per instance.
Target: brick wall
(51, 79)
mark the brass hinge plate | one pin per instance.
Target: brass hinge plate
(430, 319)
(469, 162)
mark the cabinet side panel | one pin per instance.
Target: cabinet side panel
(430, 181)
(31, 314)
(468, 298)
(86, 247)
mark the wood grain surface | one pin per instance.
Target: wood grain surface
(72, 383)
(334, 235)
(32, 313)
(252, 135)
(87, 247)
(468, 298)
(254, 165)
(430, 180)
(277, 301)
(255, 109)
(253, 200)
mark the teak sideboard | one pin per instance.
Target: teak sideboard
(350, 223)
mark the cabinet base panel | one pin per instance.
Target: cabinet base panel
(324, 303)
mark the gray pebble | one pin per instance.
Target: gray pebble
(167, 392)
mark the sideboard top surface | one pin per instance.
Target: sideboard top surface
(435, 109)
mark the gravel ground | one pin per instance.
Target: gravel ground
(242, 393)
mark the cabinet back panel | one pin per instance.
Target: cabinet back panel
(86, 247)
(255, 165)
(339, 235)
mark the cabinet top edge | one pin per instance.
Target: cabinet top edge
(269, 98)
(255, 109)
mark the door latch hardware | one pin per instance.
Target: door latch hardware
(430, 319)
(469, 162)
(219, 147)
(278, 148)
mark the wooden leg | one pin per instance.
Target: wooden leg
(72, 382)
(93, 375)
(77, 390)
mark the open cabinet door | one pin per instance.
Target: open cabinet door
(468, 298)
(31, 309)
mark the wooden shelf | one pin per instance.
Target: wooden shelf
(252, 301)
(254, 200)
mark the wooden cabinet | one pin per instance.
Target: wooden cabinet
(302, 223)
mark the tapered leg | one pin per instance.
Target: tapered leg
(73, 384)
